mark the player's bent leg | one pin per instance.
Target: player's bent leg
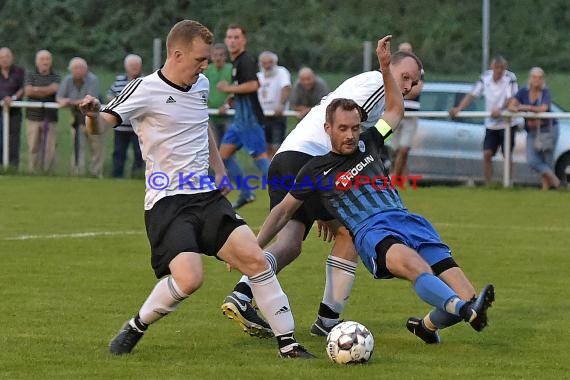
(340, 272)
(186, 278)
(242, 252)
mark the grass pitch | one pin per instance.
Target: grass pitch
(76, 265)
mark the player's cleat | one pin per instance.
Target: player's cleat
(319, 329)
(480, 306)
(126, 340)
(243, 201)
(416, 327)
(297, 352)
(245, 315)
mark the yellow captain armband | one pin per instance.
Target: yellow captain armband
(384, 129)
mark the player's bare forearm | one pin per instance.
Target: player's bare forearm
(95, 122)
(216, 162)
(277, 219)
(394, 110)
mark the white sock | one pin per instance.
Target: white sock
(272, 302)
(272, 262)
(163, 299)
(339, 279)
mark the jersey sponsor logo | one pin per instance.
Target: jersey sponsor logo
(170, 100)
(344, 178)
(361, 146)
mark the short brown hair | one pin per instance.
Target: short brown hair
(345, 105)
(186, 31)
(237, 26)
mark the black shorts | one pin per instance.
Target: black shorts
(289, 164)
(495, 138)
(188, 223)
(275, 128)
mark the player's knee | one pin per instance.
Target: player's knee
(255, 264)
(190, 283)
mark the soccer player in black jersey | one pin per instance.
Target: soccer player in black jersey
(355, 187)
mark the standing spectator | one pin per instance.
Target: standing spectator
(273, 93)
(76, 86)
(536, 97)
(247, 127)
(217, 71)
(308, 91)
(41, 86)
(11, 88)
(498, 85)
(124, 135)
(403, 136)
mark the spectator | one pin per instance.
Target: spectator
(273, 93)
(11, 88)
(536, 97)
(217, 71)
(498, 85)
(308, 91)
(41, 86)
(124, 135)
(73, 89)
(403, 136)
(246, 129)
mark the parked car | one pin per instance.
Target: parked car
(446, 150)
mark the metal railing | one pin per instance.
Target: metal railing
(289, 113)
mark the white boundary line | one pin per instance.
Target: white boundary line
(76, 235)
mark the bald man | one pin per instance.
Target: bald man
(308, 91)
(79, 83)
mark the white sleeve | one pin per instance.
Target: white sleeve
(130, 103)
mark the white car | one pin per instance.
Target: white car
(446, 150)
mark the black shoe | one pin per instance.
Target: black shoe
(245, 315)
(416, 327)
(243, 201)
(297, 352)
(126, 340)
(319, 329)
(480, 306)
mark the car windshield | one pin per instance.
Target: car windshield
(446, 100)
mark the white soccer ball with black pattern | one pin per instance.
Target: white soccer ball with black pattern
(350, 342)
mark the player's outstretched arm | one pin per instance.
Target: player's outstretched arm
(394, 109)
(277, 219)
(95, 121)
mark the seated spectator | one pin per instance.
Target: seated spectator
(124, 134)
(308, 91)
(273, 93)
(11, 88)
(41, 86)
(541, 133)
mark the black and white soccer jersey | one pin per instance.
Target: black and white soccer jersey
(309, 136)
(171, 123)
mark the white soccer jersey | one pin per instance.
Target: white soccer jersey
(269, 92)
(171, 123)
(497, 94)
(309, 136)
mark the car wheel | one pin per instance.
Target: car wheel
(563, 168)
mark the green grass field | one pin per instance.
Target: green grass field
(76, 265)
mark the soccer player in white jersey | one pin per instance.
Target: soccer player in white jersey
(309, 139)
(168, 112)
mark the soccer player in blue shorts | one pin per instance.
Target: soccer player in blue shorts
(392, 242)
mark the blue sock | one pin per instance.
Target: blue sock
(436, 292)
(234, 171)
(442, 319)
(263, 165)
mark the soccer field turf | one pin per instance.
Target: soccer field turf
(76, 266)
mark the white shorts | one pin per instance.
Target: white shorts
(404, 135)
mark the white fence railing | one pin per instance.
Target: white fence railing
(289, 113)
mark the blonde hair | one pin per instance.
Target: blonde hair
(536, 70)
(186, 31)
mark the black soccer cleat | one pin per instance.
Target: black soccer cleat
(246, 316)
(297, 352)
(319, 329)
(124, 342)
(416, 327)
(479, 307)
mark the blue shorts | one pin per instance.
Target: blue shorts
(252, 138)
(411, 229)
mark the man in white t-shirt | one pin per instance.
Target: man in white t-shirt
(498, 85)
(273, 93)
(186, 216)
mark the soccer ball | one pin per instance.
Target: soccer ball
(350, 342)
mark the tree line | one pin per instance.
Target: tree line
(327, 35)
